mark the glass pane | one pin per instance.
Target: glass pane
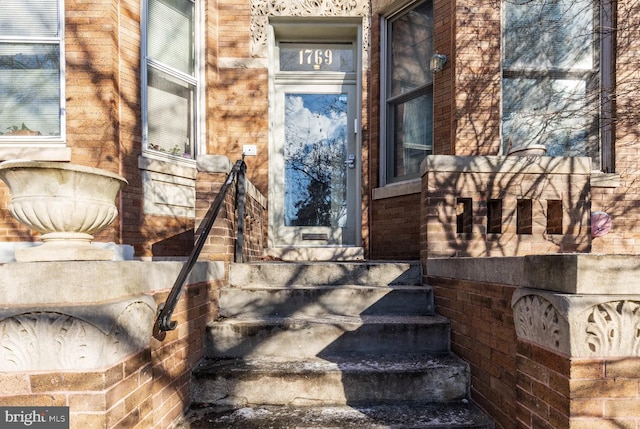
(314, 57)
(29, 18)
(29, 90)
(411, 49)
(314, 155)
(543, 34)
(411, 135)
(552, 112)
(170, 34)
(170, 114)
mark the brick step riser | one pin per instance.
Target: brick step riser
(322, 301)
(302, 340)
(441, 385)
(287, 274)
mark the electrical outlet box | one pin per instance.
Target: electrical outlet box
(249, 150)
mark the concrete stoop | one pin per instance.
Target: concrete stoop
(329, 345)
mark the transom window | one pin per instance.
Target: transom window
(407, 103)
(551, 77)
(171, 107)
(330, 57)
(31, 75)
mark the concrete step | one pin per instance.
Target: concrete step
(459, 415)
(301, 337)
(348, 300)
(332, 380)
(285, 274)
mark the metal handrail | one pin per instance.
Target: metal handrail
(165, 310)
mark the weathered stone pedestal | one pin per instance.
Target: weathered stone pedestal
(578, 326)
(80, 335)
(72, 315)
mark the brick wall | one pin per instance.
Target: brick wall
(221, 242)
(556, 392)
(396, 228)
(483, 334)
(476, 115)
(149, 389)
(505, 206)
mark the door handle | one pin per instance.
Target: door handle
(351, 161)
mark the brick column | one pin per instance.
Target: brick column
(212, 172)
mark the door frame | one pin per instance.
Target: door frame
(314, 31)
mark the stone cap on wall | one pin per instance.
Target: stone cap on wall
(507, 164)
(73, 283)
(576, 273)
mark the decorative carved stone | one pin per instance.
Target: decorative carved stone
(261, 10)
(579, 325)
(82, 337)
(538, 321)
(611, 329)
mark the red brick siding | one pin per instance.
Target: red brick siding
(483, 334)
(221, 242)
(396, 228)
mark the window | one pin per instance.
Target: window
(551, 80)
(31, 74)
(170, 74)
(407, 105)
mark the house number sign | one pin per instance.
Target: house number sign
(316, 57)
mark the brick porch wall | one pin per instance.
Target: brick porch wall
(221, 242)
(459, 193)
(396, 231)
(522, 383)
(149, 389)
(483, 334)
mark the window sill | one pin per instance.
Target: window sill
(178, 167)
(168, 187)
(398, 189)
(35, 153)
(604, 180)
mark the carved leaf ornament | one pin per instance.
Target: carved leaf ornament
(262, 9)
(537, 320)
(613, 329)
(51, 340)
(585, 327)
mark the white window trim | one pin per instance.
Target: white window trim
(13, 147)
(199, 67)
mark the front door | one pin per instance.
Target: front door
(314, 165)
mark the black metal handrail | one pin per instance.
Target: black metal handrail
(165, 310)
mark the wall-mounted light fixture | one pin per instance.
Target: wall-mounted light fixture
(437, 62)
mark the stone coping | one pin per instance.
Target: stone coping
(502, 270)
(506, 164)
(76, 282)
(566, 273)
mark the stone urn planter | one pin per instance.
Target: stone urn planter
(66, 203)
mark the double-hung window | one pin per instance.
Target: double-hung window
(407, 95)
(170, 73)
(551, 87)
(31, 71)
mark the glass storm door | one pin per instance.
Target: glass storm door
(316, 166)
